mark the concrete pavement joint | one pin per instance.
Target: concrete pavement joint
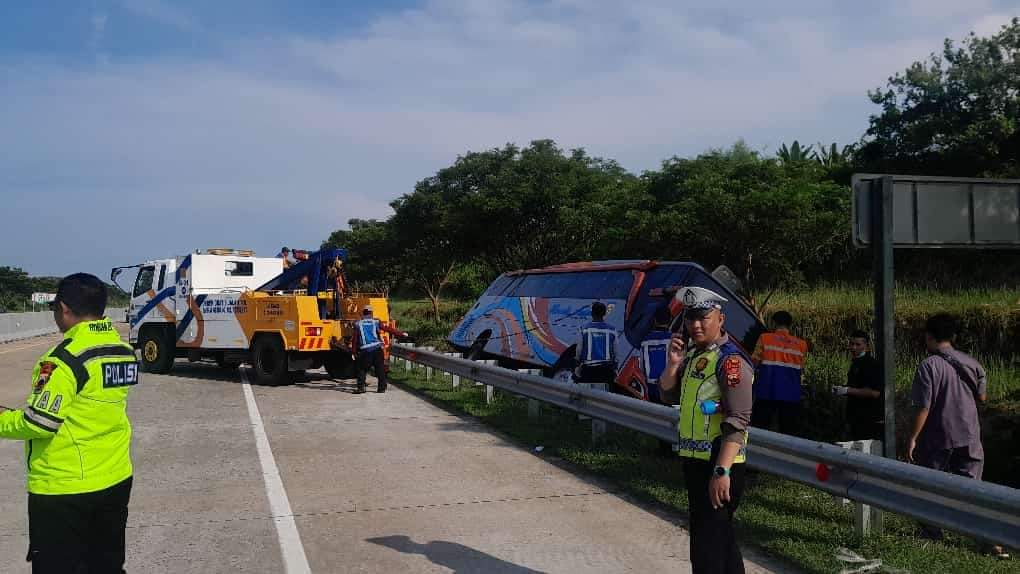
(351, 511)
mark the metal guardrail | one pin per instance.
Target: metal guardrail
(984, 510)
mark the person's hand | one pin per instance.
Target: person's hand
(911, 445)
(676, 351)
(719, 491)
(839, 391)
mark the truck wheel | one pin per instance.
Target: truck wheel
(157, 352)
(270, 362)
(339, 366)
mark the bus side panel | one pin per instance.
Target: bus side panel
(535, 330)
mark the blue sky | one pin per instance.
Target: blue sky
(135, 129)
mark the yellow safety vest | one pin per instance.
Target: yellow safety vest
(75, 425)
(700, 383)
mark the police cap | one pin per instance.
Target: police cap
(699, 301)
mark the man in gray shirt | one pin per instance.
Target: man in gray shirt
(948, 385)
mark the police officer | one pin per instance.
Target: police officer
(596, 349)
(77, 437)
(369, 348)
(712, 385)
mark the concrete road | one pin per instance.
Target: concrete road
(312, 478)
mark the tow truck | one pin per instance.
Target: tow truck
(234, 308)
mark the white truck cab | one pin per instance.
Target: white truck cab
(163, 286)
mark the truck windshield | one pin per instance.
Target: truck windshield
(144, 280)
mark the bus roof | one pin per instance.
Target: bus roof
(609, 265)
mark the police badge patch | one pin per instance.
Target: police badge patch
(701, 364)
(45, 372)
(731, 370)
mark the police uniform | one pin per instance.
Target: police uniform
(715, 407)
(654, 353)
(77, 445)
(596, 353)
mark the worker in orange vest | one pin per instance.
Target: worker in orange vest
(779, 364)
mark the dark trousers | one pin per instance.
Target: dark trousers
(597, 374)
(78, 533)
(963, 461)
(368, 360)
(766, 410)
(714, 548)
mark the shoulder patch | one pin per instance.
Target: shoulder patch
(45, 372)
(731, 370)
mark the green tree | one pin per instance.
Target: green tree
(956, 114)
(373, 255)
(772, 222)
(530, 207)
(430, 247)
(15, 288)
(795, 153)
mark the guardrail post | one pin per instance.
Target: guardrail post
(407, 362)
(441, 372)
(490, 391)
(867, 520)
(534, 405)
(455, 378)
(428, 369)
(598, 427)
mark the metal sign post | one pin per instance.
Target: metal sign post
(885, 306)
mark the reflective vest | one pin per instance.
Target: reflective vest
(75, 425)
(779, 372)
(368, 335)
(699, 383)
(598, 344)
(654, 353)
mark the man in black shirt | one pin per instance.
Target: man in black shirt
(864, 391)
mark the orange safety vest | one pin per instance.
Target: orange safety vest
(781, 362)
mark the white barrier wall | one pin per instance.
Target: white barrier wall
(14, 326)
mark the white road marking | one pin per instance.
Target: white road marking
(294, 559)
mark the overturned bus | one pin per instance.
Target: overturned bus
(532, 318)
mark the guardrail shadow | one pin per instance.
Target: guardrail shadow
(456, 557)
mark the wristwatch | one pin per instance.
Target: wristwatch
(721, 471)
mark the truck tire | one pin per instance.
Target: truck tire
(339, 365)
(269, 361)
(157, 351)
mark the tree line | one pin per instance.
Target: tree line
(778, 219)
